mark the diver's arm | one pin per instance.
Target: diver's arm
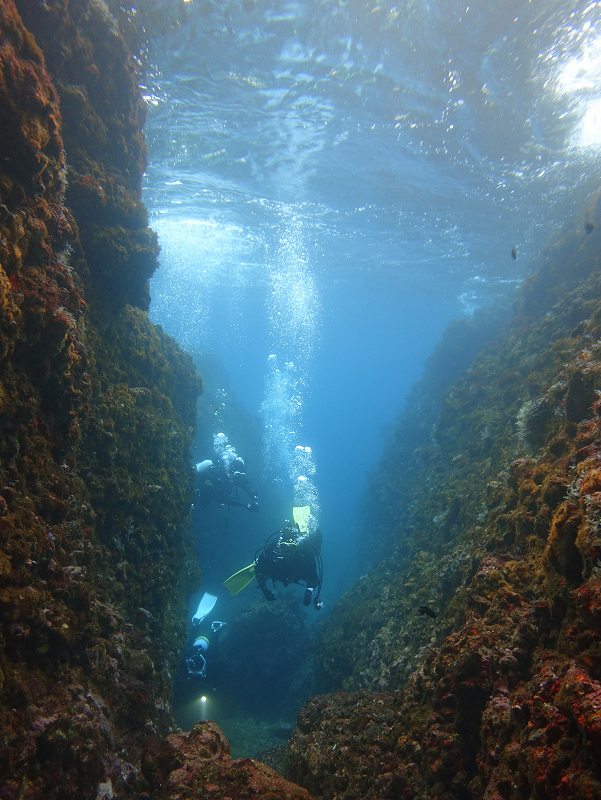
(240, 481)
(262, 581)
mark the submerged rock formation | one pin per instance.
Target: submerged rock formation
(198, 764)
(264, 660)
(471, 654)
(96, 409)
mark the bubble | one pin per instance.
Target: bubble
(226, 452)
(293, 313)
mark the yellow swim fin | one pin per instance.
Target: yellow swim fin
(301, 515)
(240, 580)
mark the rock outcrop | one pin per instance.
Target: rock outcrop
(477, 638)
(96, 415)
(198, 764)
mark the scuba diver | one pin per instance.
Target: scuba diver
(198, 675)
(291, 555)
(220, 480)
(202, 638)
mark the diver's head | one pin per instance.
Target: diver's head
(201, 644)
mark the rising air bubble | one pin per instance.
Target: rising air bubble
(293, 313)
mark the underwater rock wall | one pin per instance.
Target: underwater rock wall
(493, 691)
(97, 410)
(389, 488)
(97, 413)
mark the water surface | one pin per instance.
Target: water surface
(333, 182)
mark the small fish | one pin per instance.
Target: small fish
(514, 253)
(427, 611)
(588, 227)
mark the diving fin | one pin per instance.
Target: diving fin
(240, 580)
(206, 605)
(301, 515)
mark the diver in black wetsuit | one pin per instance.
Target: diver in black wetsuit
(199, 670)
(220, 484)
(290, 556)
(196, 649)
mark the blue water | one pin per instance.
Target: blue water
(333, 183)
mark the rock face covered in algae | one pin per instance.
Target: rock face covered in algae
(97, 408)
(471, 656)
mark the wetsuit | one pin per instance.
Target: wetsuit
(290, 557)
